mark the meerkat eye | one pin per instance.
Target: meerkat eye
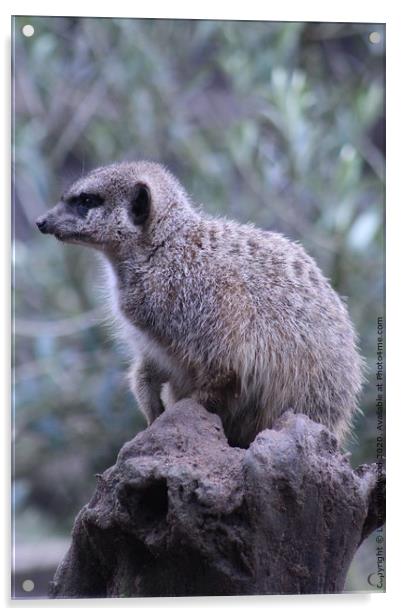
(140, 204)
(90, 200)
(83, 202)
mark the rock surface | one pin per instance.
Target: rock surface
(182, 513)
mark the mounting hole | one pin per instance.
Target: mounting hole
(28, 585)
(28, 30)
(375, 38)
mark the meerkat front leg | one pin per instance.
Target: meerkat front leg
(146, 380)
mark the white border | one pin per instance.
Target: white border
(308, 10)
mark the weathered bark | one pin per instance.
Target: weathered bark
(182, 513)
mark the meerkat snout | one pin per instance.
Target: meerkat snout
(238, 318)
(41, 223)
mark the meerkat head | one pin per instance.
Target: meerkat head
(123, 204)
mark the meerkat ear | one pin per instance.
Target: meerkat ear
(140, 203)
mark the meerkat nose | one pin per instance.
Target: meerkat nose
(41, 223)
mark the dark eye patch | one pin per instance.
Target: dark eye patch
(83, 202)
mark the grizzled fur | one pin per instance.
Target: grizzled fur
(239, 319)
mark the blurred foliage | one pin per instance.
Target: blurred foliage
(281, 124)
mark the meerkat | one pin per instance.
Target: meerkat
(240, 319)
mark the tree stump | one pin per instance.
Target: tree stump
(182, 513)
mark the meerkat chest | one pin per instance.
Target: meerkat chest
(129, 313)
